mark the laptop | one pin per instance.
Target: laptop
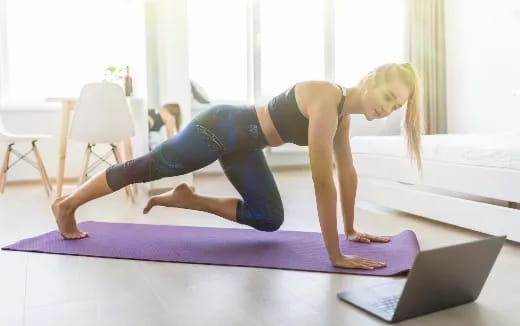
(439, 279)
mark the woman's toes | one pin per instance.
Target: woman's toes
(74, 236)
(178, 197)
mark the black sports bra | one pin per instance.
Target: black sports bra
(289, 121)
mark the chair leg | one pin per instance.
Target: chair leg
(37, 152)
(5, 165)
(117, 155)
(41, 168)
(86, 160)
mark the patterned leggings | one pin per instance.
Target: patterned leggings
(232, 135)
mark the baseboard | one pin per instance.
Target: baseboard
(31, 182)
(216, 171)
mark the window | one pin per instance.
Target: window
(368, 33)
(291, 43)
(239, 50)
(54, 47)
(217, 37)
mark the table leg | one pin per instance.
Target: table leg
(65, 119)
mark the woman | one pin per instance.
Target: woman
(169, 115)
(313, 113)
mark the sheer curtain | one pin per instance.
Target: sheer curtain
(368, 33)
(426, 50)
(291, 42)
(217, 37)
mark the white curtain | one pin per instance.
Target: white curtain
(427, 53)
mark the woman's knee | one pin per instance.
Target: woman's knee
(270, 224)
(268, 220)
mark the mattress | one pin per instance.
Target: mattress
(488, 150)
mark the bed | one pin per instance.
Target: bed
(470, 180)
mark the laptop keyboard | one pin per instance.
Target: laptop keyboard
(387, 304)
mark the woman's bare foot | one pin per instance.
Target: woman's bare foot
(182, 196)
(64, 216)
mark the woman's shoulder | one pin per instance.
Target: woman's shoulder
(317, 85)
(317, 93)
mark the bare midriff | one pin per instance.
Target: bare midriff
(266, 123)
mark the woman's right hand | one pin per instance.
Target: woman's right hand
(350, 261)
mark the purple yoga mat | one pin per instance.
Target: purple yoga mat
(294, 250)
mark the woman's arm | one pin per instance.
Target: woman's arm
(322, 126)
(346, 172)
(348, 182)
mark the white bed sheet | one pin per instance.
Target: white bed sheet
(489, 150)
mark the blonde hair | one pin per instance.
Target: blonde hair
(413, 118)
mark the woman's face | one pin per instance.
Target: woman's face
(384, 99)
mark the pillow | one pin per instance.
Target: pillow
(388, 126)
(198, 93)
(393, 124)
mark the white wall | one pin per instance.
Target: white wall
(483, 65)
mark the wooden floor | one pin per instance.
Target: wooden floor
(44, 289)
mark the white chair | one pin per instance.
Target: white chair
(101, 116)
(10, 140)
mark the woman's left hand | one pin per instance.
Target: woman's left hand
(365, 238)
